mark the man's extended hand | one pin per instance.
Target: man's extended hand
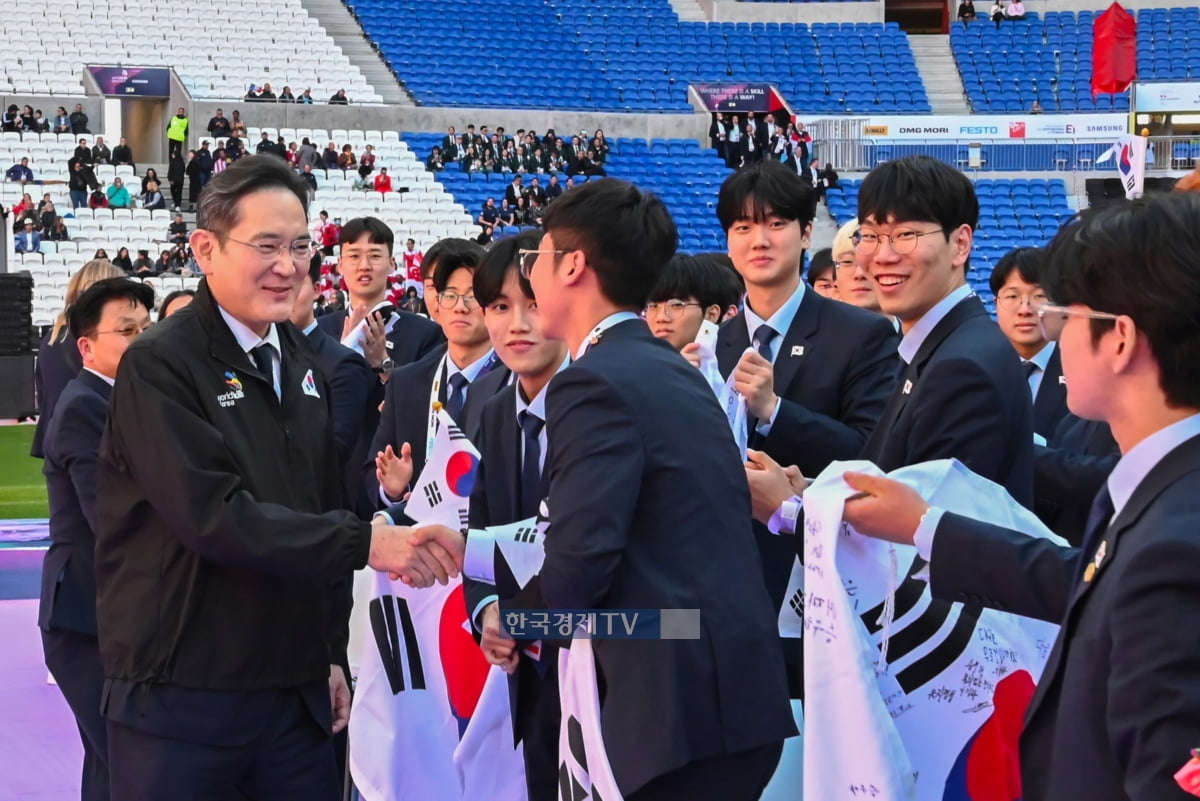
(374, 340)
(497, 649)
(394, 472)
(884, 508)
(691, 352)
(770, 484)
(416, 556)
(339, 697)
(354, 316)
(754, 378)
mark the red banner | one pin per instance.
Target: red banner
(1114, 51)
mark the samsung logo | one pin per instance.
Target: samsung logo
(1106, 129)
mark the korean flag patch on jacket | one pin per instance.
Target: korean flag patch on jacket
(309, 385)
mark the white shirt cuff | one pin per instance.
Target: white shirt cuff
(1038, 439)
(923, 537)
(783, 521)
(479, 560)
(477, 612)
(386, 518)
(764, 426)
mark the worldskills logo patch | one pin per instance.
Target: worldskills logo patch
(235, 393)
(233, 381)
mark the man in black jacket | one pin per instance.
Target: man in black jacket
(223, 554)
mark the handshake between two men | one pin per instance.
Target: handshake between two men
(416, 555)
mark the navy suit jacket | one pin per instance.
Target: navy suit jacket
(412, 336)
(833, 376)
(1068, 473)
(1050, 405)
(57, 364)
(649, 509)
(405, 414)
(1119, 697)
(68, 599)
(355, 393)
(963, 397)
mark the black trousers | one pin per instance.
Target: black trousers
(172, 744)
(74, 661)
(174, 148)
(738, 777)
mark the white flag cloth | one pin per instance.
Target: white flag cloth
(488, 765)
(421, 673)
(584, 771)
(1130, 154)
(885, 665)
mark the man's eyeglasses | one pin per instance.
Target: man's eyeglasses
(370, 258)
(845, 264)
(529, 257)
(903, 241)
(302, 249)
(669, 308)
(1011, 301)
(1053, 318)
(449, 299)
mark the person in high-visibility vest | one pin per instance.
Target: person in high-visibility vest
(177, 130)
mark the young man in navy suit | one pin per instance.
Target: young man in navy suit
(646, 498)
(815, 372)
(461, 376)
(1016, 282)
(1118, 703)
(508, 488)
(366, 263)
(106, 318)
(962, 393)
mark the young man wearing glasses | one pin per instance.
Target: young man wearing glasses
(223, 551)
(692, 290)
(367, 263)
(1119, 692)
(105, 318)
(962, 393)
(1016, 283)
(461, 376)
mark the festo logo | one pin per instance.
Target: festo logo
(979, 129)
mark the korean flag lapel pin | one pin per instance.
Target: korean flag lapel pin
(1097, 560)
(309, 385)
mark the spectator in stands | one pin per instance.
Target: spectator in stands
(123, 261)
(507, 215)
(514, 190)
(220, 161)
(58, 231)
(383, 181)
(79, 121)
(308, 155)
(173, 302)
(25, 205)
(175, 174)
(123, 154)
(152, 198)
(11, 121)
(413, 303)
(339, 98)
(1036, 108)
(488, 217)
(29, 240)
(100, 152)
(536, 191)
(293, 155)
(100, 255)
(733, 145)
(142, 265)
(589, 166)
(827, 179)
(118, 195)
(206, 164)
(20, 173)
(305, 97)
(162, 264)
(251, 94)
(329, 158)
(41, 125)
(691, 289)
(521, 212)
(309, 179)
(234, 149)
(286, 95)
(83, 152)
(535, 212)
(78, 184)
(151, 175)
(331, 235)
(1016, 10)
(718, 133)
(47, 214)
(62, 122)
(281, 148)
(265, 95)
(966, 11)
(347, 160)
(192, 170)
(236, 126)
(997, 13)
(265, 145)
(218, 125)
(177, 231)
(553, 189)
(363, 182)
(821, 275)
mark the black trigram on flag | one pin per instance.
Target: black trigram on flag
(796, 602)
(569, 788)
(463, 519)
(433, 493)
(525, 534)
(396, 638)
(455, 433)
(923, 630)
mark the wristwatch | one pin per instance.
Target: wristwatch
(385, 366)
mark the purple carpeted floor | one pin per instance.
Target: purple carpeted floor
(40, 755)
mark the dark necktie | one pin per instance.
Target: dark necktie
(262, 360)
(456, 397)
(1097, 523)
(764, 335)
(531, 471)
(1029, 368)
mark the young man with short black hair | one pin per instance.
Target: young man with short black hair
(691, 290)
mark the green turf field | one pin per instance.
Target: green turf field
(22, 487)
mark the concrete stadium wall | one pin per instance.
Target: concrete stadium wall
(733, 11)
